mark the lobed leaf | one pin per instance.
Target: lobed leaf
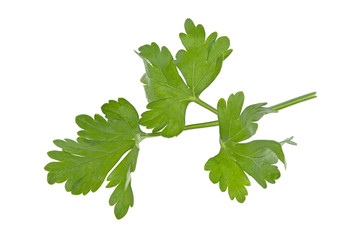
(167, 93)
(165, 90)
(236, 160)
(84, 164)
(202, 59)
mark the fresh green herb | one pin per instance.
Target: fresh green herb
(84, 164)
(256, 158)
(167, 93)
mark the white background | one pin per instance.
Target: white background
(59, 59)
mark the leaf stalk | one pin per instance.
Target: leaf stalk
(205, 105)
(294, 101)
(276, 107)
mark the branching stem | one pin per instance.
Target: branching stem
(279, 106)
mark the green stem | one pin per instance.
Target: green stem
(294, 101)
(187, 127)
(276, 107)
(201, 125)
(216, 123)
(147, 135)
(205, 105)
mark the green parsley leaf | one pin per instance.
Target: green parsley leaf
(237, 160)
(85, 163)
(166, 91)
(202, 60)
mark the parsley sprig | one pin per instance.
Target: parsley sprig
(107, 146)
